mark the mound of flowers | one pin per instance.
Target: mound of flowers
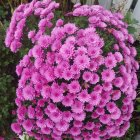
(72, 83)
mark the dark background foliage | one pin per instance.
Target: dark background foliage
(8, 62)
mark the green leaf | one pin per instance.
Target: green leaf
(131, 29)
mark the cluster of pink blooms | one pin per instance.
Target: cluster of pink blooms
(69, 87)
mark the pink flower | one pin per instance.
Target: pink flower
(87, 76)
(81, 50)
(84, 96)
(105, 119)
(31, 112)
(95, 78)
(118, 82)
(67, 101)
(116, 95)
(111, 107)
(77, 107)
(67, 74)
(108, 75)
(75, 131)
(21, 112)
(79, 116)
(28, 89)
(62, 126)
(95, 98)
(116, 115)
(57, 95)
(71, 40)
(59, 22)
(118, 57)
(27, 125)
(67, 51)
(70, 28)
(16, 128)
(45, 92)
(110, 61)
(75, 69)
(93, 66)
(56, 116)
(67, 116)
(82, 61)
(107, 86)
(93, 52)
(74, 87)
(52, 107)
(46, 130)
(100, 111)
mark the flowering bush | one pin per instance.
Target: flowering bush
(73, 83)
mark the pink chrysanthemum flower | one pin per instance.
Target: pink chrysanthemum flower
(77, 107)
(95, 78)
(108, 75)
(111, 107)
(70, 28)
(75, 131)
(105, 119)
(74, 87)
(55, 116)
(95, 98)
(67, 74)
(62, 126)
(84, 96)
(27, 125)
(81, 51)
(87, 76)
(67, 51)
(67, 116)
(16, 128)
(67, 101)
(57, 95)
(118, 82)
(28, 89)
(110, 61)
(82, 61)
(93, 52)
(107, 86)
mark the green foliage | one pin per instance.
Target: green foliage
(131, 22)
